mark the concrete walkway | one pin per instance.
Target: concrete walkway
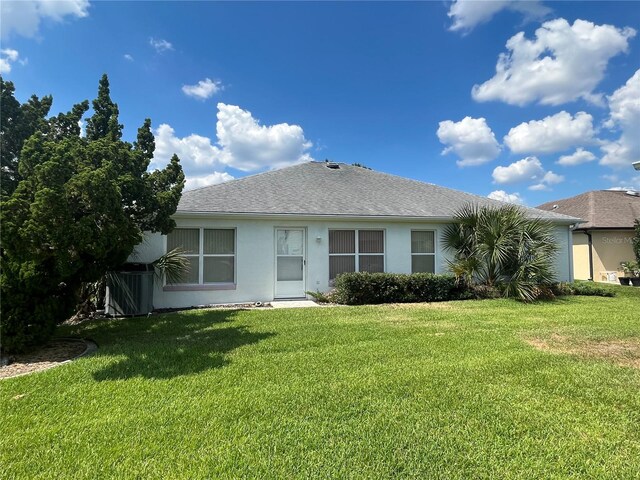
(293, 304)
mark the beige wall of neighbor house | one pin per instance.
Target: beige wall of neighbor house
(580, 256)
(255, 255)
(610, 247)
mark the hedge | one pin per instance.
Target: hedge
(363, 288)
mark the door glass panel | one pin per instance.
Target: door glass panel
(290, 242)
(290, 269)
(371, 263)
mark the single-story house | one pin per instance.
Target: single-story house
(605, 238)
(282, 233)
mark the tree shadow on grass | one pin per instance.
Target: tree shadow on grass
(177, 345)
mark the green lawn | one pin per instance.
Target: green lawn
(448, 390)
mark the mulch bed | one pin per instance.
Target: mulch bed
(51, 355)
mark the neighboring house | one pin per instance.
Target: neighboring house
(604, 239)
(282, 233)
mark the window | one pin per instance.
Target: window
(210, 252)
(355, 251)
(423, 251)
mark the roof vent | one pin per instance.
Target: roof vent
(633, 193)
(332, 166)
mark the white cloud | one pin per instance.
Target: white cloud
(203, 89)
(467, 14)
(128, 57)
(528, 168)
(160, 44)
(624, 108)
(507, 197)
(241, 143)
(195, 151)
(631, 183)
(578, 157)
(7, 57)
(563, 63)
(214, 178)
(624, 103)
(471, 139)
(551, 134)
(548, 179)
(24, 17)
(247, 145)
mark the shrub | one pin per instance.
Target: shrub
(588, 289)
(363, 288)
(321, 297)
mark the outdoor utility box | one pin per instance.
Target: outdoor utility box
(130, 290)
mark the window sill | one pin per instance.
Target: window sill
(199, 288)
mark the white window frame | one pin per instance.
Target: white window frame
(357, 247)
(435, 249)
(201, 255)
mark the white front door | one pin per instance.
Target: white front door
(290, 263)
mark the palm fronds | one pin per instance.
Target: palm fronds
(173, 265)
(502, 247)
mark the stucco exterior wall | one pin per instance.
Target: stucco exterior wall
(255, 255)
(610, 247)
(564, 258)
(580, 256)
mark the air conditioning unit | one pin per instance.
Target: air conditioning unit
(130, 291)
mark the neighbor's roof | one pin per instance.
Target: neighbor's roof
(315, 189)
(600, 208)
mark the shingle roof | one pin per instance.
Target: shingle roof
(599, 208)
(315, 189)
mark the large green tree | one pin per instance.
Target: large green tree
(18, 121)
(80, 206)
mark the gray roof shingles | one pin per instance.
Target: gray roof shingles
(312, 188)
(599, 208)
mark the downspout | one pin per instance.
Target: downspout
(586, 232)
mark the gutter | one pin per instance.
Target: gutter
(301, 216)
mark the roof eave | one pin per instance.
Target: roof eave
(317, 216)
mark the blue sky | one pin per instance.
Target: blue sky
(408, 88)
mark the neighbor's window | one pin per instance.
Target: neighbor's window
(423, 251)
(211, 254)
(355, 251)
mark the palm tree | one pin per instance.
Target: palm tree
(502, 248)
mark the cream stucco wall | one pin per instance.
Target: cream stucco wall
(255, 255)
(580, 256)
(610, 247)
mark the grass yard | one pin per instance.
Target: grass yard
(475, 389)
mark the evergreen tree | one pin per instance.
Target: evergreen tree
(104, 121)
(79, 209)
(17, 123)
